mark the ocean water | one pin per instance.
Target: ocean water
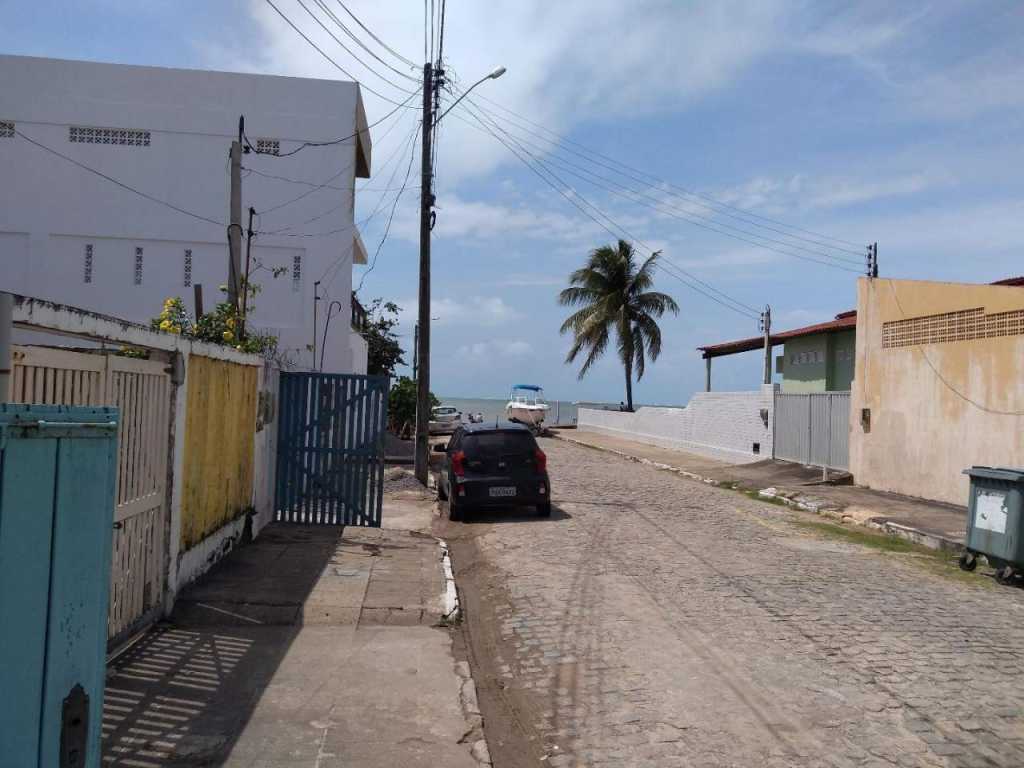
(561, 412)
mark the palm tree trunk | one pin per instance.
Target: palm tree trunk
(629, 385)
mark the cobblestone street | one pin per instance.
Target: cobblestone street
(658, 621)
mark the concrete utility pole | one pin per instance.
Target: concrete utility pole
(766, 325)
(422, 456)
(6, 322)
(245, 284)
(415, 349)
(235, 225)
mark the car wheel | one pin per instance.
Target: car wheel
(544, 510)
(454, 511)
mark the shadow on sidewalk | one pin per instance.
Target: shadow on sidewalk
(183, 694)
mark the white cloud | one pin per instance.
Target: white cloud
(495, 351)
(487, 311)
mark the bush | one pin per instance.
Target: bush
(402, 405)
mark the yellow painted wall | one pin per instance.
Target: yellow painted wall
(220, 425)
(924, 431)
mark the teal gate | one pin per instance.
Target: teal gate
(330, 448)
(57, 471)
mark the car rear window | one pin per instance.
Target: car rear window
(498, 443)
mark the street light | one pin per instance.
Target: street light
(492, 76)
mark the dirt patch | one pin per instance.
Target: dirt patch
(507, 713)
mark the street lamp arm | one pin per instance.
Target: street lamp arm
(491, 76)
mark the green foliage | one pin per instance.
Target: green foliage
(613, 295)
(383, 352)
(402, 404)
(224, 325)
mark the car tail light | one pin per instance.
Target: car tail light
(541, 460)
(459, 463)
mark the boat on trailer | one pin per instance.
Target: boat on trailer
(526, 405)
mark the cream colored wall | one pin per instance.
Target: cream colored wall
(924, 432)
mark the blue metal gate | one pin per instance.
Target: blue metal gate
(57, 470)
(330, 448)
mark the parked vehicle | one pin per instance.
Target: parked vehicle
(444, 419)
(488, 466)
(526, 405)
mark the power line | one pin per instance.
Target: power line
(683, 213)
(386, 163)
(349, 51)
(391, 216)
(564, 140)
(332, 61)
(696, 223)
(120, 183)
(377, 39)
(331, 15)
(576, 200)
(330, 142)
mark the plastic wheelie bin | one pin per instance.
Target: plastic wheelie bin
(995, 520)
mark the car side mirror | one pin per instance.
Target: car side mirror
(440, 447)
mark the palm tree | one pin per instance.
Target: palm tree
(614, 294)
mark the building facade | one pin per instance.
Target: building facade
(939, 385)
(71, 236)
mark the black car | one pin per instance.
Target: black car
(493, 465)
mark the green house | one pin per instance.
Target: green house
(815, 358)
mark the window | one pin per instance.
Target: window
(296, 272)
(78, 134)
(268, 147)
(87, 273)
(138, 266)
(6, 130)
(188, 268)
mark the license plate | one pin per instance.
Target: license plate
(503, 491)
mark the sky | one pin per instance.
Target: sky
(811, 128)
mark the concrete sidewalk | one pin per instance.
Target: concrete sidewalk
(311, 646)
(933, 524)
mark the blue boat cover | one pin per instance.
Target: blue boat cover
(532, 387)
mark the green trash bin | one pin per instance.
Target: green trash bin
(995, 520)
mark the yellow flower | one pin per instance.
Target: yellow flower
(230, 322)
(175, 329)
(228, 335)
(164, 325)
(238, 347)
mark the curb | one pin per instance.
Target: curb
(451, 610)
(909, 533)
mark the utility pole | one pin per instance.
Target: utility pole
(873, 260)
(415, 349)
(6, 323)
(245, 284)
(316, 300)
(197, 292)
(235, 225)
(423, 340)
(766, 326)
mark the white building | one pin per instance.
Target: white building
(70, 236)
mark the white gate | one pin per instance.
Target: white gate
(141, 389)
(813, 429)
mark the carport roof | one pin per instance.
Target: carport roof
(844, 321)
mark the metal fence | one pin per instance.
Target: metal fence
(813, 429)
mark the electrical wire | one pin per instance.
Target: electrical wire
(391, 216)
(615, 230)
(332, 61)
(704, 226)
(331, 15)
(384, 165)
(712, 202)
(674, 211)
(377, 39)
(120, 183)
(349, 51)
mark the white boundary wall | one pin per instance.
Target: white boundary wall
(719, 425)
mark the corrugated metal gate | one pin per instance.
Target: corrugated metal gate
(330, 448)
(141, 389)
(813, 428)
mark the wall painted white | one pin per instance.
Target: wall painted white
(720, 425)
(53, 213)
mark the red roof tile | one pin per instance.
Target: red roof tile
(844, 321)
